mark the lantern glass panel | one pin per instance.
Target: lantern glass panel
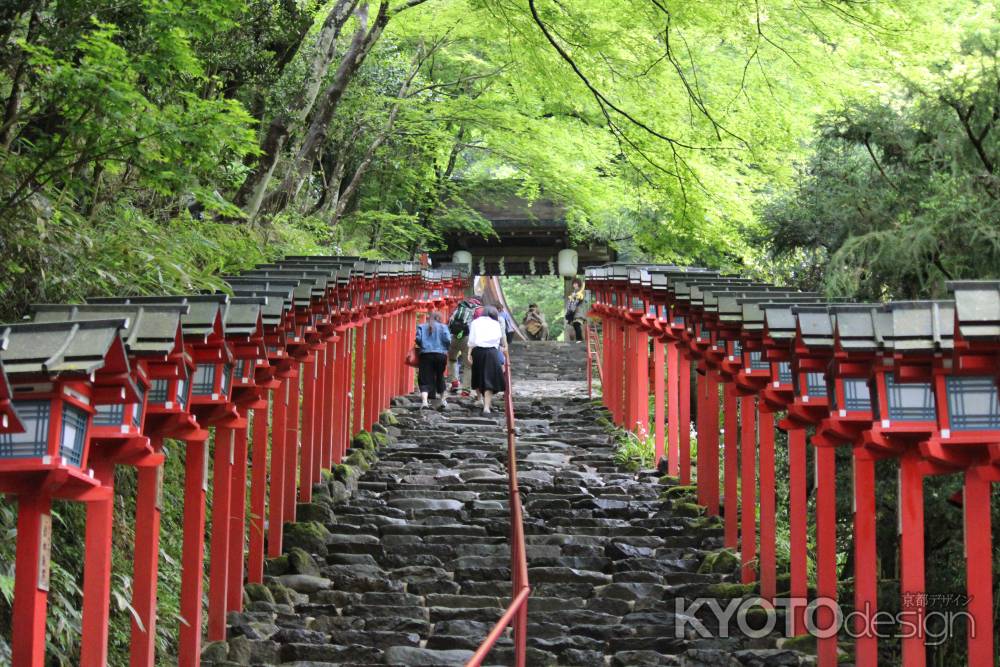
(678, 321)
(815, 385)
(758, 362)
(972, 403)
(227, 379)
(785, 372)
(737, 348)
(137, 408)
(663, 313)
(34, 416)
(159, 390)
(74, 434)
(909, 401)
(243, 367)
(183, 390)
(204, 379)
(109, 415)
(857, 395)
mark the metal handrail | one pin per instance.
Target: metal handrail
(516, 614)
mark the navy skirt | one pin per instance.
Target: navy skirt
(487, 370)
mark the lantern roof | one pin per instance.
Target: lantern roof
(977, 308)
(778, 319)
(814, 326)
(318, 281)
(204, 316)
(921, 326)
(744, 307)
(292, 291)
(149, 330)
(276, 304)
(242, 316)
(684, 286)
(76, 347)
(860, 326)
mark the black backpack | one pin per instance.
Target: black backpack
(458, 325)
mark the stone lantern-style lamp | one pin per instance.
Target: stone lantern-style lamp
(58, 372)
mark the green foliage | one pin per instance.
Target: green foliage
(899, 194)
(633, 452)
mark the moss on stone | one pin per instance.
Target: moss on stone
(684, 508)
(670, 480)
(281, 594)
(678, 491)
(362, 440)
(705, 522)
(357, 459)
(728, 591)
(381, 439)
(258, 593)
(388, 418)
(307, 535)
(723, 561)
(276, 567)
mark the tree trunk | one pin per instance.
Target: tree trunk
(251, 193)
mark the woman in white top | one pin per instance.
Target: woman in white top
(486, 338)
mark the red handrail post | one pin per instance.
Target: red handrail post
(748, 484)
(658, 401)
(731, 466)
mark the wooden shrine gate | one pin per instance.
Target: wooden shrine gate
(914, 383)
(303, 355)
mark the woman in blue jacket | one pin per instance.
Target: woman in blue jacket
(433, 339)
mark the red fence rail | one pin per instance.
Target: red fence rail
(516, 614)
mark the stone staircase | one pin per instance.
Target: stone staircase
(406, 562)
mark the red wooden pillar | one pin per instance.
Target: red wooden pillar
(311, 389)
(684, 381)
(362, 333)
(607, 386)
(218, 550)
(371, 365)
(628, 372)
(641, 381)
(731, 465)
(658, 400)
(146, 563)
(748, 485)
(237, 519)
(711, 440)
(292, 415)
(341, 398)
(865, 557)
(673, 410)
(258, 493)
(911, 561)
(193, 551)
(826, 550)
(97, 567)
(277, 477)
(797, 524)
(768, 536)
(31, 584)
(326, 408)
(701, 395)
(977, 494)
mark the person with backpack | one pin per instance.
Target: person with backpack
(433, 339)
(458, 351)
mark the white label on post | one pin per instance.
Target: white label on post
(158, 503)
(204, 468)
(44, 551)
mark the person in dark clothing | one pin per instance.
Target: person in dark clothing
(574, 312)
(433, 339)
